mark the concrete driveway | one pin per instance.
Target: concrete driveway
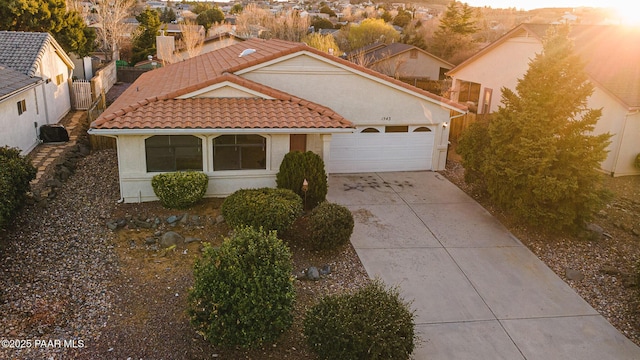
(477, 291)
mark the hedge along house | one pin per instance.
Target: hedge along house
(235, 112)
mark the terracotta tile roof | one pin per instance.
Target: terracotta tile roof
(157, 113)
(227, 113)
(214, 67)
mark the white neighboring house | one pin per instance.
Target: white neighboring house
(34, 86)
(612, 61)
(234, 113)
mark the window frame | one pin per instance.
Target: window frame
(264, 162)
(172, 152)
(22, 106)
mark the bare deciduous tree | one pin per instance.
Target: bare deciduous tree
(111, 28)
(192, 39)
(256, 22)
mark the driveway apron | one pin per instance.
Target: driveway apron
(477, 291)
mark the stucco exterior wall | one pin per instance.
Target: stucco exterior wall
(19, 130)
(629, 146)
(135, 182)
(501, 67)
(57, 97)
(359, 99)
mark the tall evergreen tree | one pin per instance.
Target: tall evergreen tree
(453, 40)
(542, 159)
(144, 42)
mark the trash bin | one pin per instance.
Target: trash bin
(53, 133)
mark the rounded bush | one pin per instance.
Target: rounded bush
(16, 173)
(372, 323)
(330, 225)
(637, 161)
(298, 166)
(243, 293)
(269, 208)
(180, 189)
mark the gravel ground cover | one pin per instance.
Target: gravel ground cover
(88, 279)
(85, 291)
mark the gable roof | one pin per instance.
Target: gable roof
(12, 81)
(610, 53)
(274, 110)
(207, 69)
(379, 51)
(22, 51)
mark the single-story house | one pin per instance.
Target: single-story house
(234, 113)
(611, 55)
(34, 86)
(401, 61)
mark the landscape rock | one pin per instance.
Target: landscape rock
(219, 219)
(610, 270)
(170, 238)
(190, 239)
(574, 275)
(596, 229)
(172, 219)
(325, 270)
(313, 273)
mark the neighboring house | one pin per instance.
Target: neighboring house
(611, 56)
(34, 86)
(235, 112)
(401, 61)
(19, 117)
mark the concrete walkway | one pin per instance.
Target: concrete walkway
(477, 291)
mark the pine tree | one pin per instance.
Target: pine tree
(144, 43)
(542, 163)
(453, 40)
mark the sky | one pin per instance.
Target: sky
(537, 4)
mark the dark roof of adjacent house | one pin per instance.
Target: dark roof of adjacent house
(380, 51)
(611, 55)
(181, 78)
(21, 51)
(12, 81)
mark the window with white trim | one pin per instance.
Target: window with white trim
(239, 152)
(173, 153)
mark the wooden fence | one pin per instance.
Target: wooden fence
(81, 94)
(458, 125)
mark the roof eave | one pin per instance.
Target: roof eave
(210, 131)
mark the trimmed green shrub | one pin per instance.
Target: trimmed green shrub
(298, 166)
(180, 189)
(330, 225)
(243, 293)
(372, 323)
(637, 161)
(16, 172)
(269, 208)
